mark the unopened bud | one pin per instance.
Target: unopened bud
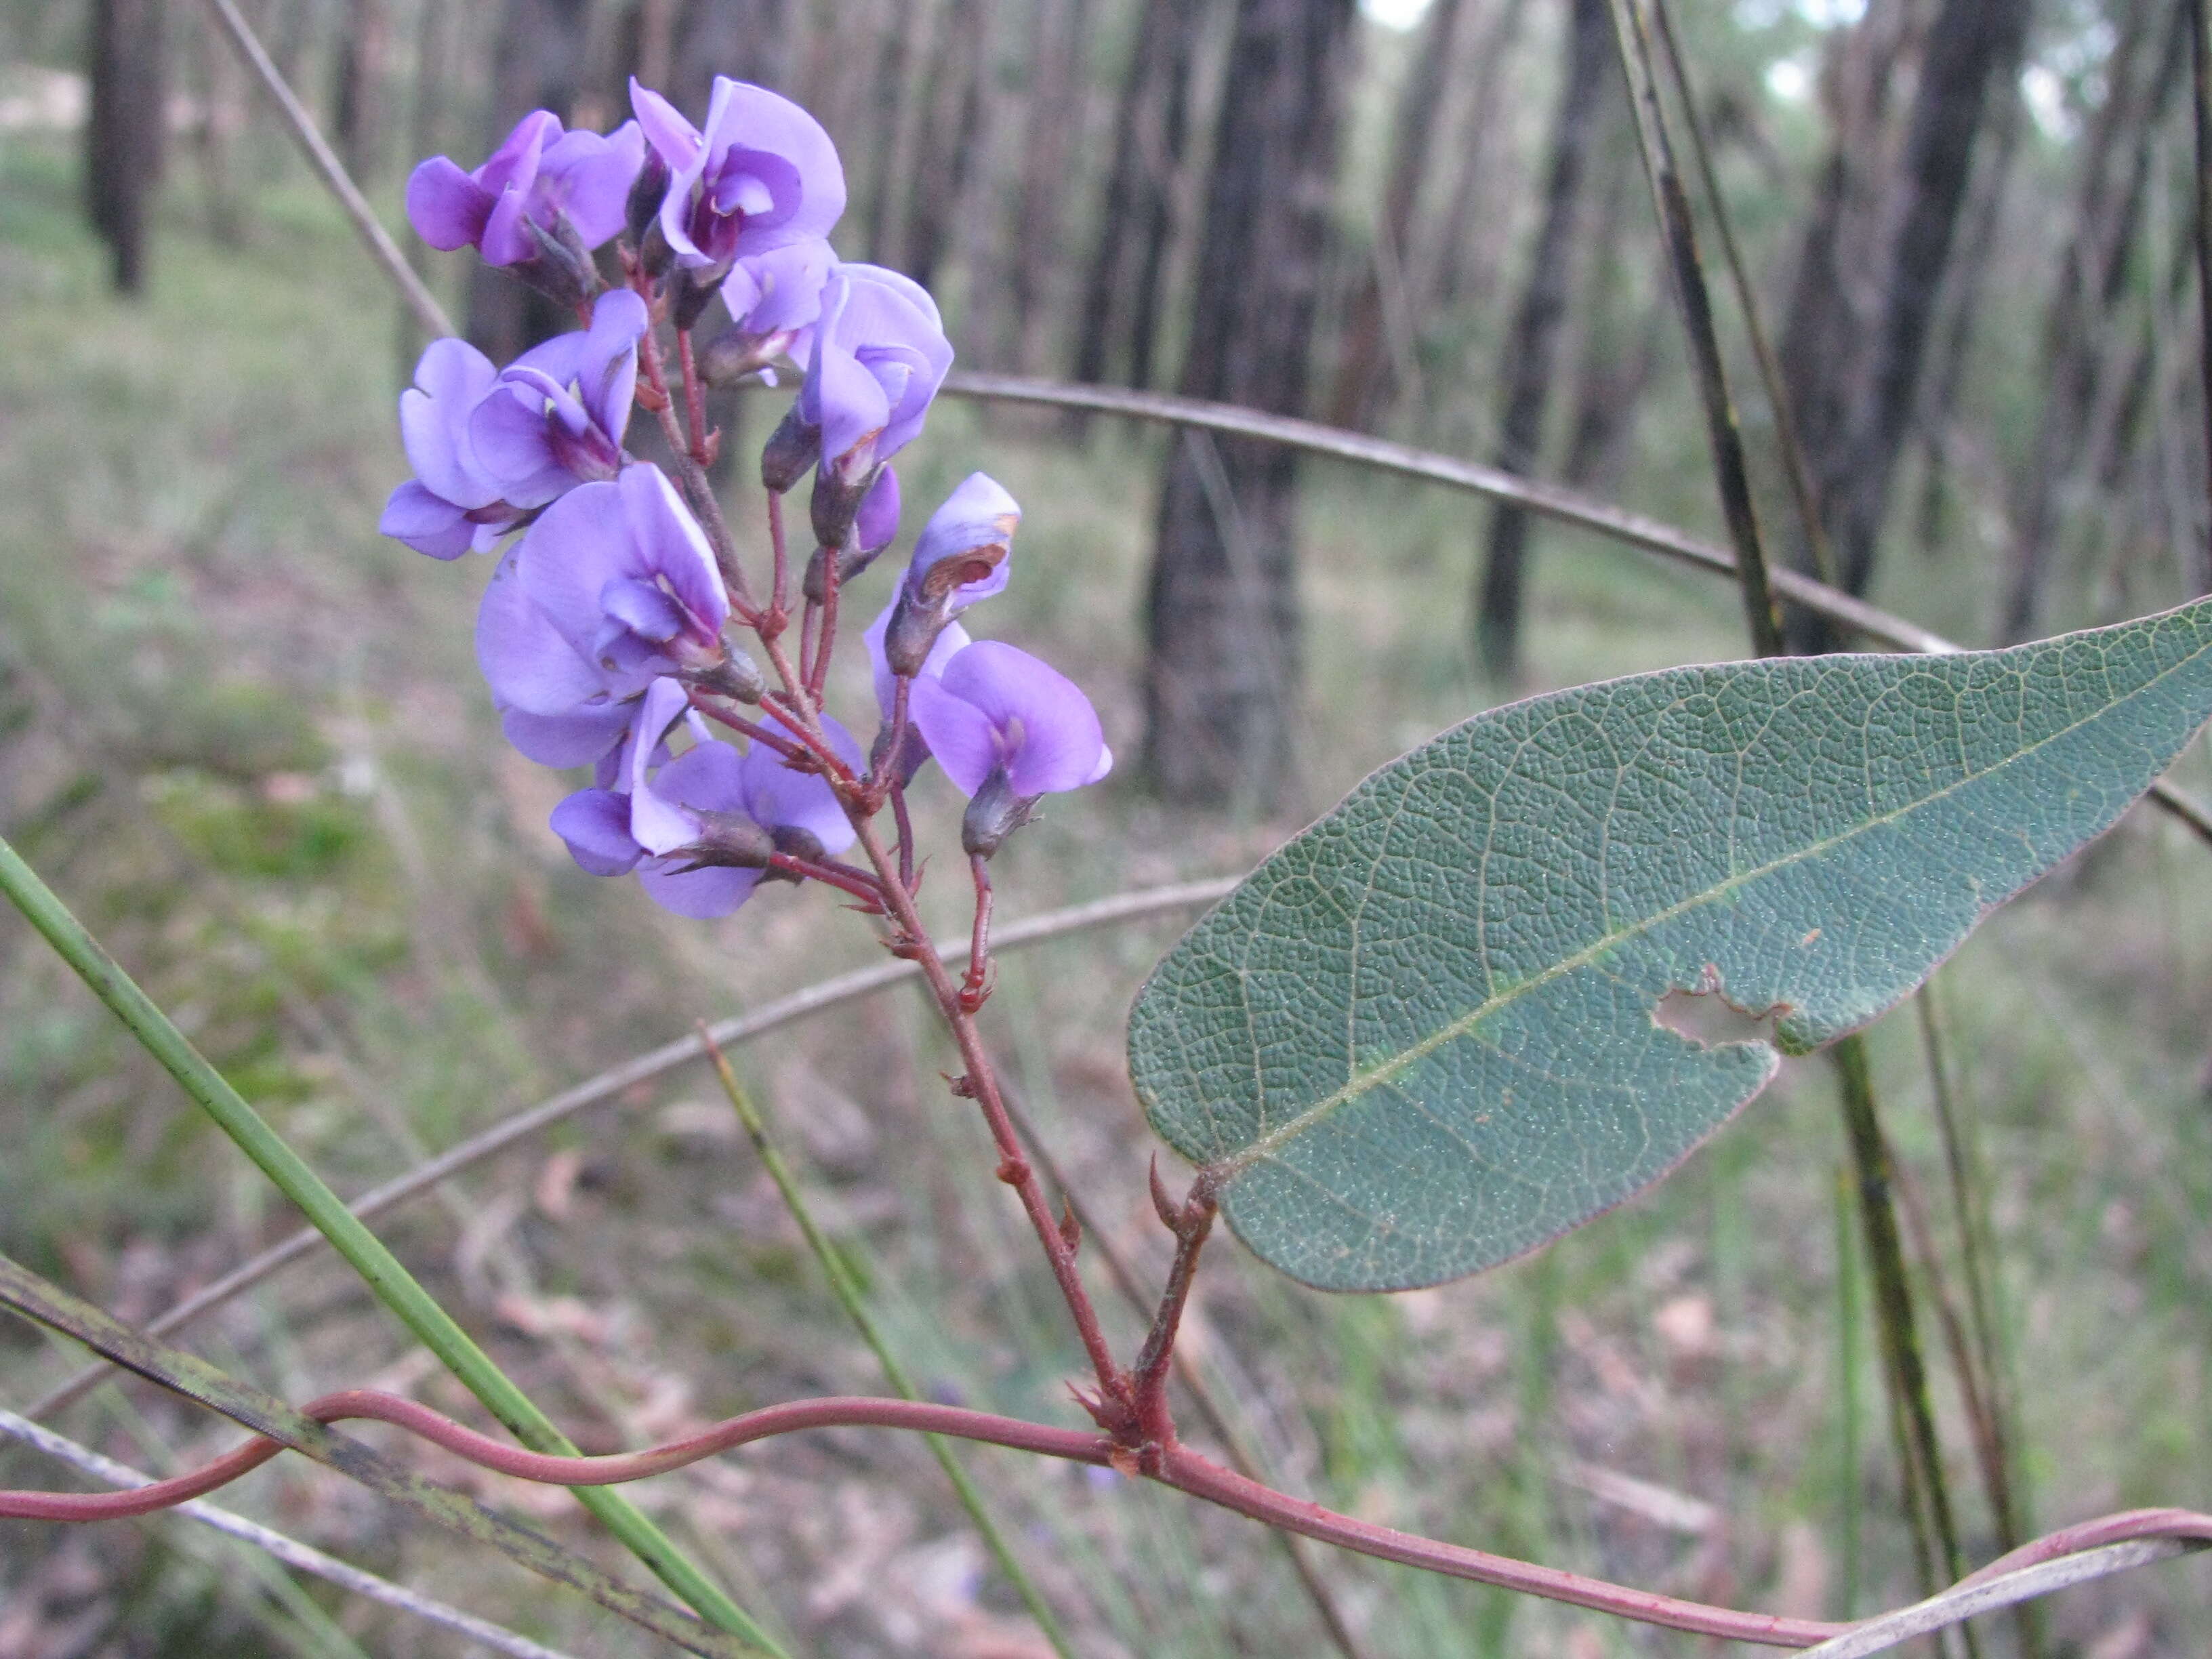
(835, 504)
(641, 212)
(736, 676)
(910, 635)
(733, 354)
(729, 840)
(794, 842)
(851, 562)
(790, 450)
(690, 292)
(561, 268)
(654, 256)
(994, 812)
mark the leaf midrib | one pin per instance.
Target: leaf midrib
(1362, 1084)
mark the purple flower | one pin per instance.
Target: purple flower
(879, 356)
(963, 553)
(452, 503)
(612, 588)
(541, 175)
(762, 175)
(676, 821)
(952, 640)
(775, 299)
(996, 708)
(556, 416)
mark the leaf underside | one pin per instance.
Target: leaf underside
(1420, 1040)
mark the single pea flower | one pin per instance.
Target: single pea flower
(541, 176)
(879, 356)
(556, 416)
(700, 828)
(1008, 729)
(453, 504)
(763, 175)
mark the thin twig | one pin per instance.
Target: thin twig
(855, 1303)
(1963, 1601)
(1679, 229)
(1547, 500)
(609, 1084)
(290, 1550)
(381, 248)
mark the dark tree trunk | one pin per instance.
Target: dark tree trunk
(1962, 307)
(894, 130)
(1824, 327)
(363, 72)
(122, 137)
(1053, 123)
(540, 65)
(1456, 264)
(953, 86)
(2079, 338)
(1972, 41)
(1365, 370)
(1223, 677)
(1526, 369)
(1136, 223)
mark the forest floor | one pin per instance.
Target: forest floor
(245, 736)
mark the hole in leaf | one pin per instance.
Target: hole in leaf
(1704, 1015)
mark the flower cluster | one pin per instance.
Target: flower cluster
(607, 631)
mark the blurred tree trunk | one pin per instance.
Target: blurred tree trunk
(896, 127)
(1366, 367)
(745, 39)
(1825, 325)
(1222, 682)
(1456, 264)
(1526, 365)
(123, 151)
(2079, 335)
(362, 74)
(1052, 121)
(1121, 294)
(540, 63)
(1962, 308)
(1618, 353)
(1972, 42)
(953, 85)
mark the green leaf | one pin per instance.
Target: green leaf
(1420, 1039)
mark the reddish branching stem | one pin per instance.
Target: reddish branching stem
(1176, 1466)
(722, 714)
(1190, 1222)
(777, 615)
(975, 988)
(859, 883)
(703, 445)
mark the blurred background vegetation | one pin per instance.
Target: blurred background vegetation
(244, 736)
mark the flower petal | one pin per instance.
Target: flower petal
(578, 739)
(958, 733)
(595, 823)
(427, 523)
(1051, 732)
(446, 207)
(702, 893)
(527, 660)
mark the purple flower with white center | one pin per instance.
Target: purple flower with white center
(453, 503)
(678, 821)
(619, 575)
(762, 175)
(556, 416)
(542, 176)
(879, 356)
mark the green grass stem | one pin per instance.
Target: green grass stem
(367, 1256)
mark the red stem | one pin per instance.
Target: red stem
(779, 600)
(737, 723)
(840, 774)
(1149, 1374)
(1183, 1469)
(859, 883)
(977, 985)
(825, 638)
(695, 398)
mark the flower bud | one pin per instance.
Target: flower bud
(736, 676)
(994, 811)
(835, 503)
(729, 840)
(733, 354)
(561, 269)
(912, 632)
(641, 211)
(689, 295)
(790, 450)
